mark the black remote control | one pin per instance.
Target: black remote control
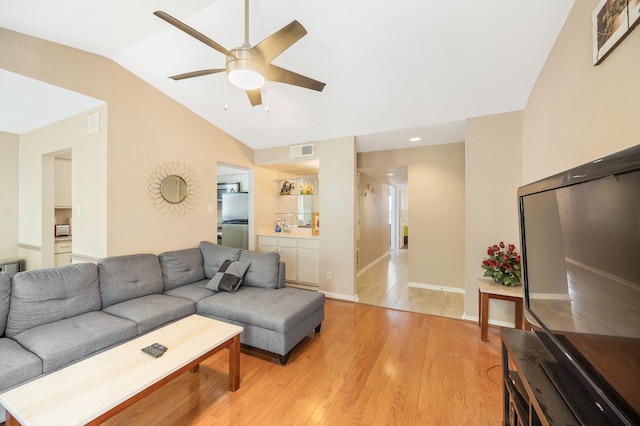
(159, 347)
(156, 350)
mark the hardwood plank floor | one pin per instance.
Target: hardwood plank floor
(368, 366)
(385, 283)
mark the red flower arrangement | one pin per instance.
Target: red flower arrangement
(502, 266)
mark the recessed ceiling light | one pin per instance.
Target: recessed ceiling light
(415, 139)
(390, 174)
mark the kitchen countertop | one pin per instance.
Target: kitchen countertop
(289, 234)
(61, 239)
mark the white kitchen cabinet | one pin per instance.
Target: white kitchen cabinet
(301, 256)
(309, 261)
(62, 253)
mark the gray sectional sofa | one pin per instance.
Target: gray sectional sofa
(51, 318)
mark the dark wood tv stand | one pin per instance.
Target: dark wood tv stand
(529, 396)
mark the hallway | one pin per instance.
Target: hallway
(385, 284)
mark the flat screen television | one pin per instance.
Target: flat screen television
(580, 242)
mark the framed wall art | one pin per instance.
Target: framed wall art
(612, 20)
(634, 13)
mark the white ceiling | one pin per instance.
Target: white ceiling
(393, 69)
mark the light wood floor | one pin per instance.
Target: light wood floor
(386, 284)
(368, 366)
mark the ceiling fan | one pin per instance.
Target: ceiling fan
(249, 67)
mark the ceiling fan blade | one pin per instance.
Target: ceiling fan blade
(193, 33)
(255, 97)
(280, 41)
(275, 73)
(196, 73)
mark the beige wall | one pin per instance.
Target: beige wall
(374, 220)
(88, 186)
(494, 169)
(145, 130)
(436, 176)
(578, 112)
(337, 159)
(575, 114)
(9, 209)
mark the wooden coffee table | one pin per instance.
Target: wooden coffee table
(99, 387)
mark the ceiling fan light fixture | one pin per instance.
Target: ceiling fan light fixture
(244, 72)
(246, 79)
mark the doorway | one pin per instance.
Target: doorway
(56, 209)
(234, 206)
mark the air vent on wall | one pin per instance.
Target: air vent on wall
(305, 150)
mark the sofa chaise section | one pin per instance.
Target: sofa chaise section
(132, 287)
(273, 320)
(275, 317)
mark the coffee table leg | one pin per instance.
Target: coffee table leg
(11, 421)
(234, 364)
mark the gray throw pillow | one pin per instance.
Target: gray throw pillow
(229, 276)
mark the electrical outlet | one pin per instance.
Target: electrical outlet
(328, 275)
(210, 209)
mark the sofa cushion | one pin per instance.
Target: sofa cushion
(214, 256)
(229, 276)
(17, 364)
(181, 267)
(279, 310)
(195, 291)
(60, 343)
(5, 297)
(47, 295)
(152, 311)
(264, 270)
(127, 277)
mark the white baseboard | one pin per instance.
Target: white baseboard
(340, 296)
(372, 263)
(491, 322)
(436, 287)
(548, 296)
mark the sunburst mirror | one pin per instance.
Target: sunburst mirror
(173, 188)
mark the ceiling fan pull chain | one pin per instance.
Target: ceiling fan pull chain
(226, 107)
(266, 90)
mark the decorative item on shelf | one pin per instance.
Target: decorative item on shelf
(285, 225)
(173, 188)
(502, 266)
(287, 187)
(278, 225)
(306, 188)
(315, 223)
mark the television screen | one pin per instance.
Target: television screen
(581, 271)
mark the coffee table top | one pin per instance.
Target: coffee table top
(83, 391)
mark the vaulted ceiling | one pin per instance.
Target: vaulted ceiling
(392, 70)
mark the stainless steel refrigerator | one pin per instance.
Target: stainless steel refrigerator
(235, 220)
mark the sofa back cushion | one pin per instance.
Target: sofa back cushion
(181, 267)
(127, 277)
(264, 270)
(46, 295)
(5, 297)
(214, 256)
